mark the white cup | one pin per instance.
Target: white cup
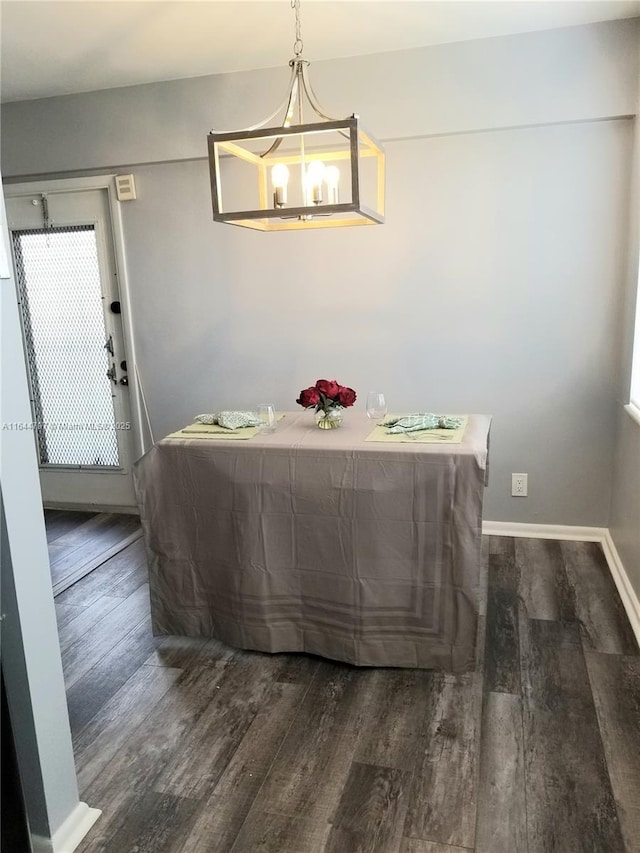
(267, 414)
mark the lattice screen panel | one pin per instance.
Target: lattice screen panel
(61, 302)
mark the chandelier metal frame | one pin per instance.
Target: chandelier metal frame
(354, 147)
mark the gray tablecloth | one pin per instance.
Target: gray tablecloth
(313, 540)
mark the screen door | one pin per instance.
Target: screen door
(70, 310)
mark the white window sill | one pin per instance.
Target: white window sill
(634, 412)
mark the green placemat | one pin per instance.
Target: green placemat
(425, 436)
(216, 431)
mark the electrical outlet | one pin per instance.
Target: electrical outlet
(519, 485)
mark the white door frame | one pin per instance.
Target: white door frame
(141, 438)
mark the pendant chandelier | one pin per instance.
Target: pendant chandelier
(328, 173)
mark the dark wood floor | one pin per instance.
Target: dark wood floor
(80, 542)
(189, 746)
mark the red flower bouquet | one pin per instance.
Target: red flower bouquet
(327, 397)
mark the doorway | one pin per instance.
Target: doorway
(64, 255)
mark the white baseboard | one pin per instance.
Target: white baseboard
(627, 593)
(544, 531)
(67, 838)
(602, 535)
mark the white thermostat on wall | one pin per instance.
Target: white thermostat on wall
(125, 187)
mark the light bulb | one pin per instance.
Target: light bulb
(279, 179)
(332, 177)
(313, 181)
(280, 175)
(315, 171)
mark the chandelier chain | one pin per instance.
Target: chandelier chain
(297, 45)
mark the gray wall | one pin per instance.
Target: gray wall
(568, 74)
(625, 500)
(495, 285)
(625, 504)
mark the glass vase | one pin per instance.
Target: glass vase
(331, 419)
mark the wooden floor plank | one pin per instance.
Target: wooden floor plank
(544, 587)
(182, 652)
(70, 571)
(86, 619)
(570, 805)
(189, 652)
(501, 826)
(503, 546)
(56, 552)
(300, 669)
(277, 833)
(312, 766)
(128, 583)
(415, 845)
(95, 688)
(616, 688)
(503, 571)
(79, 657)
(207, 748)
(66, 613)
(371, 811)
(95, 535)
(605, 626)
(221, 816)
(103, 526)
(484, 575)
(118, 719)
(442, 805)
(122, 574)
(395, 719)
(149, 748)
(60, 522)
(157, 823)
(502, 651)
(82, 550)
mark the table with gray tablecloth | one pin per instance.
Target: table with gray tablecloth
(318, 541)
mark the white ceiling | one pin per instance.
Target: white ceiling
(54, 47)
